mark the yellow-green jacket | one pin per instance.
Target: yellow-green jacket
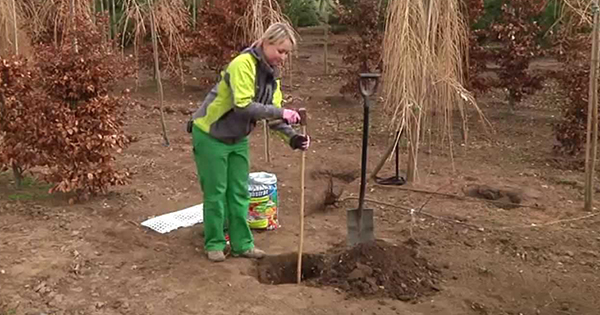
(249, 90)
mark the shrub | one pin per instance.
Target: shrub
(363, 54)
(67, 122)
(515, 33)
(574, 78)
(218, 37)
(19, 122)
(301, 13)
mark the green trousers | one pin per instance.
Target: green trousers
(223, 171)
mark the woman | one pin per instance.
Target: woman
(249, 90)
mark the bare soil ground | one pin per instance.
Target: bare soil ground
(96, 258)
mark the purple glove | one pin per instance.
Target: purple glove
(300, 142)
(291, 116)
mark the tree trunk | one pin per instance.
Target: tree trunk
(55, 33)
(2, 107)
(74, 42)
(326, 44)
(413, 147)
(291, 70)
(194, 13)
(107, 28)
(411, 170)
(114, 22)
(512, 102)
(18, 174)
(15, 26)
(323, 10)
(394, 146)
(94, 11)
(137, 62)
(157, 72)
(592, 121)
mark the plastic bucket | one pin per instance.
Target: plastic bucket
(263, 211)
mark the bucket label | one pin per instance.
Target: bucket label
(263, 210)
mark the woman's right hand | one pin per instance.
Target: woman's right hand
(291, 116)
(301, 142)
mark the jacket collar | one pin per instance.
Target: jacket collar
(257, 52)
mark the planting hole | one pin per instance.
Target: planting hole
(282, 269)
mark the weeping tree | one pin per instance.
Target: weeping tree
(324, 7)
(424, 43)
(51, 20)
(165, 22)
(260, 13)
(154, 31)
(10, 13)
(172, 23)
(15, 20)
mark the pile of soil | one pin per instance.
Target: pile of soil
(374, 269)
(379, 268)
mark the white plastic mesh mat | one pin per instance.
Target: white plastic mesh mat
(174, 220)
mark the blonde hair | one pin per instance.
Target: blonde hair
(276, 33)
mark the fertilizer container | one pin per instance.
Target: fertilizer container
(263, 210)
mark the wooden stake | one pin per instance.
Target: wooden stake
(326, 43)
(157, 72)
(592, 123)
(267, 142)
(302, 112)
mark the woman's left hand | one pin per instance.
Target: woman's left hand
(301, 142)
